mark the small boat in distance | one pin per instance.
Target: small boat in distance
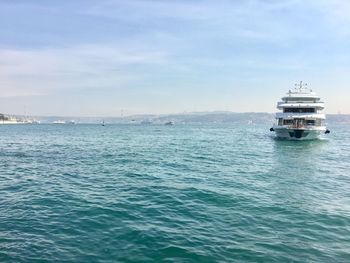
(169, 123)
(301, 117)
(59, 122)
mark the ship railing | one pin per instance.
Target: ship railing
(297, 126)
(302, 126)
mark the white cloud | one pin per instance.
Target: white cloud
(39, 72)
(262, 20)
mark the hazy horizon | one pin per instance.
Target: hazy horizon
(113, 58)
(149, 115)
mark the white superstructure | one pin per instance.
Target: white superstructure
(301, 117)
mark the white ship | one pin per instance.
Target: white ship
(301, 117)
(8, 119)
(59, 122)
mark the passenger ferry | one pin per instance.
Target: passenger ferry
(301, 117)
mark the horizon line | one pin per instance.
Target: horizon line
(152, 114)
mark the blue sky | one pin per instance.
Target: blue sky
(96, 58)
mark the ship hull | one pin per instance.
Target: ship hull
(10, 122)
(299, 134)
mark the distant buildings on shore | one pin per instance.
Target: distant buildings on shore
(5, 119)
(8, 119)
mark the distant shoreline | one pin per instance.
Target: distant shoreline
(195, 117)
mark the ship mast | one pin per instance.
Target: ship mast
(300, 86)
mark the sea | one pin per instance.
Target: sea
(182, 193)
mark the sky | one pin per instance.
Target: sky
(113, 57)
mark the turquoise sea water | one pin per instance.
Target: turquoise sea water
(182, 193)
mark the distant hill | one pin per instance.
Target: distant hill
(185, 118)
(338, 118)
(195, 117)
(211, 117)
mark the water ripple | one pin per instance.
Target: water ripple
(196, 193)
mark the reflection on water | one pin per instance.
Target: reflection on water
(301, 172)
(298, 147)
(295, 155)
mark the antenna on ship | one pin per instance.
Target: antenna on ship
(301, 85)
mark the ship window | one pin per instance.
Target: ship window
(310, 122)
(280, 121)
(287, 122)
(301, 99)
(299, 110)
